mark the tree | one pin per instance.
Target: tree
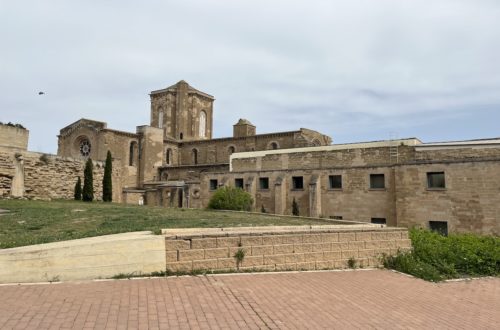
(231, 198)
(295, 207)
(88, 182)
(107, 184)
(78, 190)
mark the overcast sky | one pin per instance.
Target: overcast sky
(355, 70)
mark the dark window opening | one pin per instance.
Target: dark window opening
(264, 183)
(436, 180)
(335, 181)
(297, 182)
(379, 221)
(440, 227)
(195, 156)
(131, 160)
(214, 184)
(273, 146)
(181, 136)
(231, 150)
(238, 183)
(336, 217)
(377, 181)
(168, 156)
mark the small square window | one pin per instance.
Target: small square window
(264, 183)
(297, 182)
(238, 183)
(379, 221)
(377, 181)
(436, 180)
(213, 184)
(336, 217)
(335, 181)
(440, 227)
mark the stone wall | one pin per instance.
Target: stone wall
(13, 137)
(275, 248)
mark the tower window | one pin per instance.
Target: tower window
(131, 159)
(168, 156)
(335, 181)
(273, 146)
(297, 182)
(213, 184)
(203, 124)
(264, 183)
(181, 136)
(231, 150)
(377, 181)
(238, 183)
(160, 119)
(195, 156)
(435, 180)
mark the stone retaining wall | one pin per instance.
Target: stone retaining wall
(278, 248)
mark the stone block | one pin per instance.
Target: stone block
(175, 244)
(317, 247)
(379, 236)
(189, 255)
(311, 238)
(388, 244)
(369, 253)
(363, 236)
(403, 243)
(356, 245)
(272, 240)
(294, 257)
(313, 256)
(324, 264)
(340, 264)
(216, 253)
(372, 244)
(301, 248)
(292, 239)
(205, 264)
(349, 254)
(332, 255)
(330, 237)
(262, 250)
(252, 261)
(284, 248)
(181, 266)
(171, 256)
(393, 235)
(251, 240)
(340, 246)
(274, 259)
(228, 241)
(306, 265)
(203, 243)
(346, 237)
(228, 263)
(404, 235)
(286, 267)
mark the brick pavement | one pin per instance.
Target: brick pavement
(314, 300)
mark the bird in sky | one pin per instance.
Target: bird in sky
(41, 93)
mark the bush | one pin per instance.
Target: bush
(295, 207)
(78, 190)
(107, 184)
(230, 198)
(435, 257)
(88, 182)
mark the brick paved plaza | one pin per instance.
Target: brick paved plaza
(341, 299)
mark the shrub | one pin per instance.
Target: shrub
(295, 207)
(239, 255)
(107, 184)
(230, 198)
(263, 209)
(88, 182)
(78, 190)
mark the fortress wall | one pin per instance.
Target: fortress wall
(13, 137)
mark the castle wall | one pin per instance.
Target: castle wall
(13, 137)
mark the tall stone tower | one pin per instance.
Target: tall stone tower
(184, 113)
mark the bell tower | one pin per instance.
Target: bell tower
(182, 112)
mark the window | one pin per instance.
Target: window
(379, 221)
(85, 147)
(273, 145)
(335, 181)
(238, 183)
(297, 182)
(195, 156)
(131, 156)
(181, 136)
(336, 217)
(440, 227)
(168, 156)
(203, 124)
(160, 119)
(435, 180)
(213, 184)
(377, 181)
(231, 150)
(264, 183)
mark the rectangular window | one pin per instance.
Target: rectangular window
(213, 184)
(435, 180)
(297, 182)
(335, 181)
(377, 181)
(440, 227)
(336, 217)
(264, 183)
(238, 183)
(379, 221)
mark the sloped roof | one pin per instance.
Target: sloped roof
(174, 88)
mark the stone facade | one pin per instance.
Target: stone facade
(13, 137)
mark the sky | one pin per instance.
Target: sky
(357, 70)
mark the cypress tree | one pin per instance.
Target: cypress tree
(88, 182)
(107, 184)
(295, 207)
(78, 190)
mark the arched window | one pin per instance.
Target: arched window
(168, 156)
(160, 119)
(203, 124)
(195, 156)
(181, 136)
(231, 150)
(131, 159)
(273, 146)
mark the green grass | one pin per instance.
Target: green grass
(435, 257)
(35, 222)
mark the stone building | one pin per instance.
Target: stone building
(175, 162)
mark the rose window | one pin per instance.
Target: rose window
(85, 148)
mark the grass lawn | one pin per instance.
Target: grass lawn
(35, 222)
